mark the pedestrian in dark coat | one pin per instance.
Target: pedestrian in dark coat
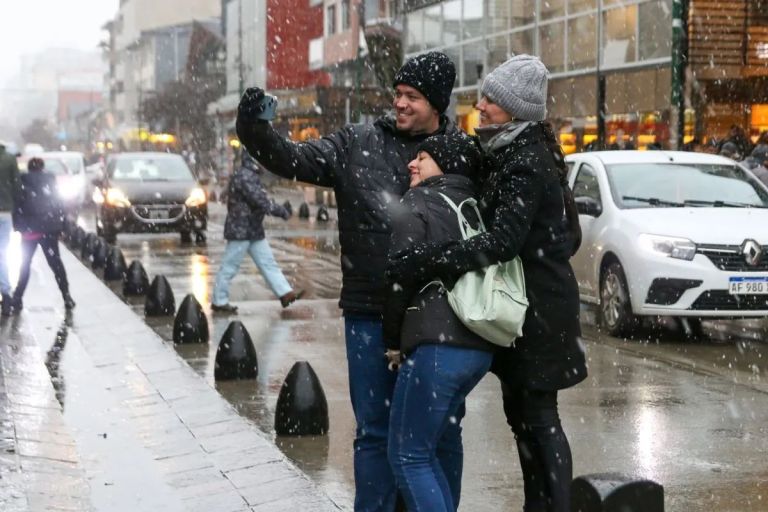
(9, 181)
(366, 165)
(38, 214)
(247, 204)
(445, 360)
(529, 212)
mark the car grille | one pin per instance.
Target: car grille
(150, 212)
(721, 300)
(729, 257)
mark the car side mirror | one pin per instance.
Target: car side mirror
(588, 206)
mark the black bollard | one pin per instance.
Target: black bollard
(100, 253)
(287, 205)
(322, 214)
(160, 301)
(235, 357)
(76, 240)
(190, 324)
(304, 211)
(302, 409)
(612, 492)
(136, 281)
(115, 268)
(86, 249)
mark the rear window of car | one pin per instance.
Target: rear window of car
(646, 185)
(150, 169)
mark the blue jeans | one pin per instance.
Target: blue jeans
(262, 256)
(427, 409)
(5, 240)
(370, 388)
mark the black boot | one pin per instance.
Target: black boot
(69, 303)
(5, 308)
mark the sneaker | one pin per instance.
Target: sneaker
(291, 297)
(69, 303)
(228, 309)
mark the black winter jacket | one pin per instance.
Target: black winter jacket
(247, 204)
(366, 165)
(523, 209)
(413, 317)
(37, 206)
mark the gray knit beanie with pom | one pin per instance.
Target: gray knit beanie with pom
(519, 86)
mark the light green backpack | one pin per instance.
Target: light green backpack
(491, 301)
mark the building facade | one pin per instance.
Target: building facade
(627, 45)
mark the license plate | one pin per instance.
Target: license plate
(748, 285)
(158, 214)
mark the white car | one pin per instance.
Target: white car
(76, 190)
(669, 234)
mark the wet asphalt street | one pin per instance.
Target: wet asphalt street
(692, 415)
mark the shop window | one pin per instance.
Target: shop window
(582, 42)
(345, 15)
(452, 22)
(433, 22)
(577, 6)
(584, 96)
(552, 46)
(473, 19)
(619, 38)
(473, 62)
(498, 51)
(498, 15)
(523, 12)
(521, 42)
(552, 9)
(655, 38)
(415, 32)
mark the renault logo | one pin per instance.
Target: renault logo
(752, 251)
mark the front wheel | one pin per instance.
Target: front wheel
(615, 306)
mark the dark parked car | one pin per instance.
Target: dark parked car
(150, 193)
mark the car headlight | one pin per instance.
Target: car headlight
(196, 197)
(678, 248)
(116, 197)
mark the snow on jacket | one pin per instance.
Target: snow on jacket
(366, 165)
(413, 317)
(247, 204)
(37, 205)
(523, 209)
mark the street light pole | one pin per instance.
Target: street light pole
(678, 71)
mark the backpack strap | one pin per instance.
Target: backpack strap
(464, 224)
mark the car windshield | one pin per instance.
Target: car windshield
(664, 185)
(55, 167)
(150, 169)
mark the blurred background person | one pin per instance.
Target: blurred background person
(9, 179)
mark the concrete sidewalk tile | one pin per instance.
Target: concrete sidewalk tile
(230, 426)
(275, 490)
(217, 486)
(192, 477)
(229, 442)
(242, 478)
(186, 462)
(231, 461)
(228, 501)
(58, 452)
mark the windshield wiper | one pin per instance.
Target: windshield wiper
(721, 204)
(653, 201)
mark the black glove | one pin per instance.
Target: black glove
(251, 104)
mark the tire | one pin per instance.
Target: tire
(186, 237)
(616, 315)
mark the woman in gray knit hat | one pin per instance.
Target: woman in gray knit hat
(530, 213)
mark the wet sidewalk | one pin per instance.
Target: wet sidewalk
(98, 413)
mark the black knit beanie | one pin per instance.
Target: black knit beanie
(455, 153)
(433, 74)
